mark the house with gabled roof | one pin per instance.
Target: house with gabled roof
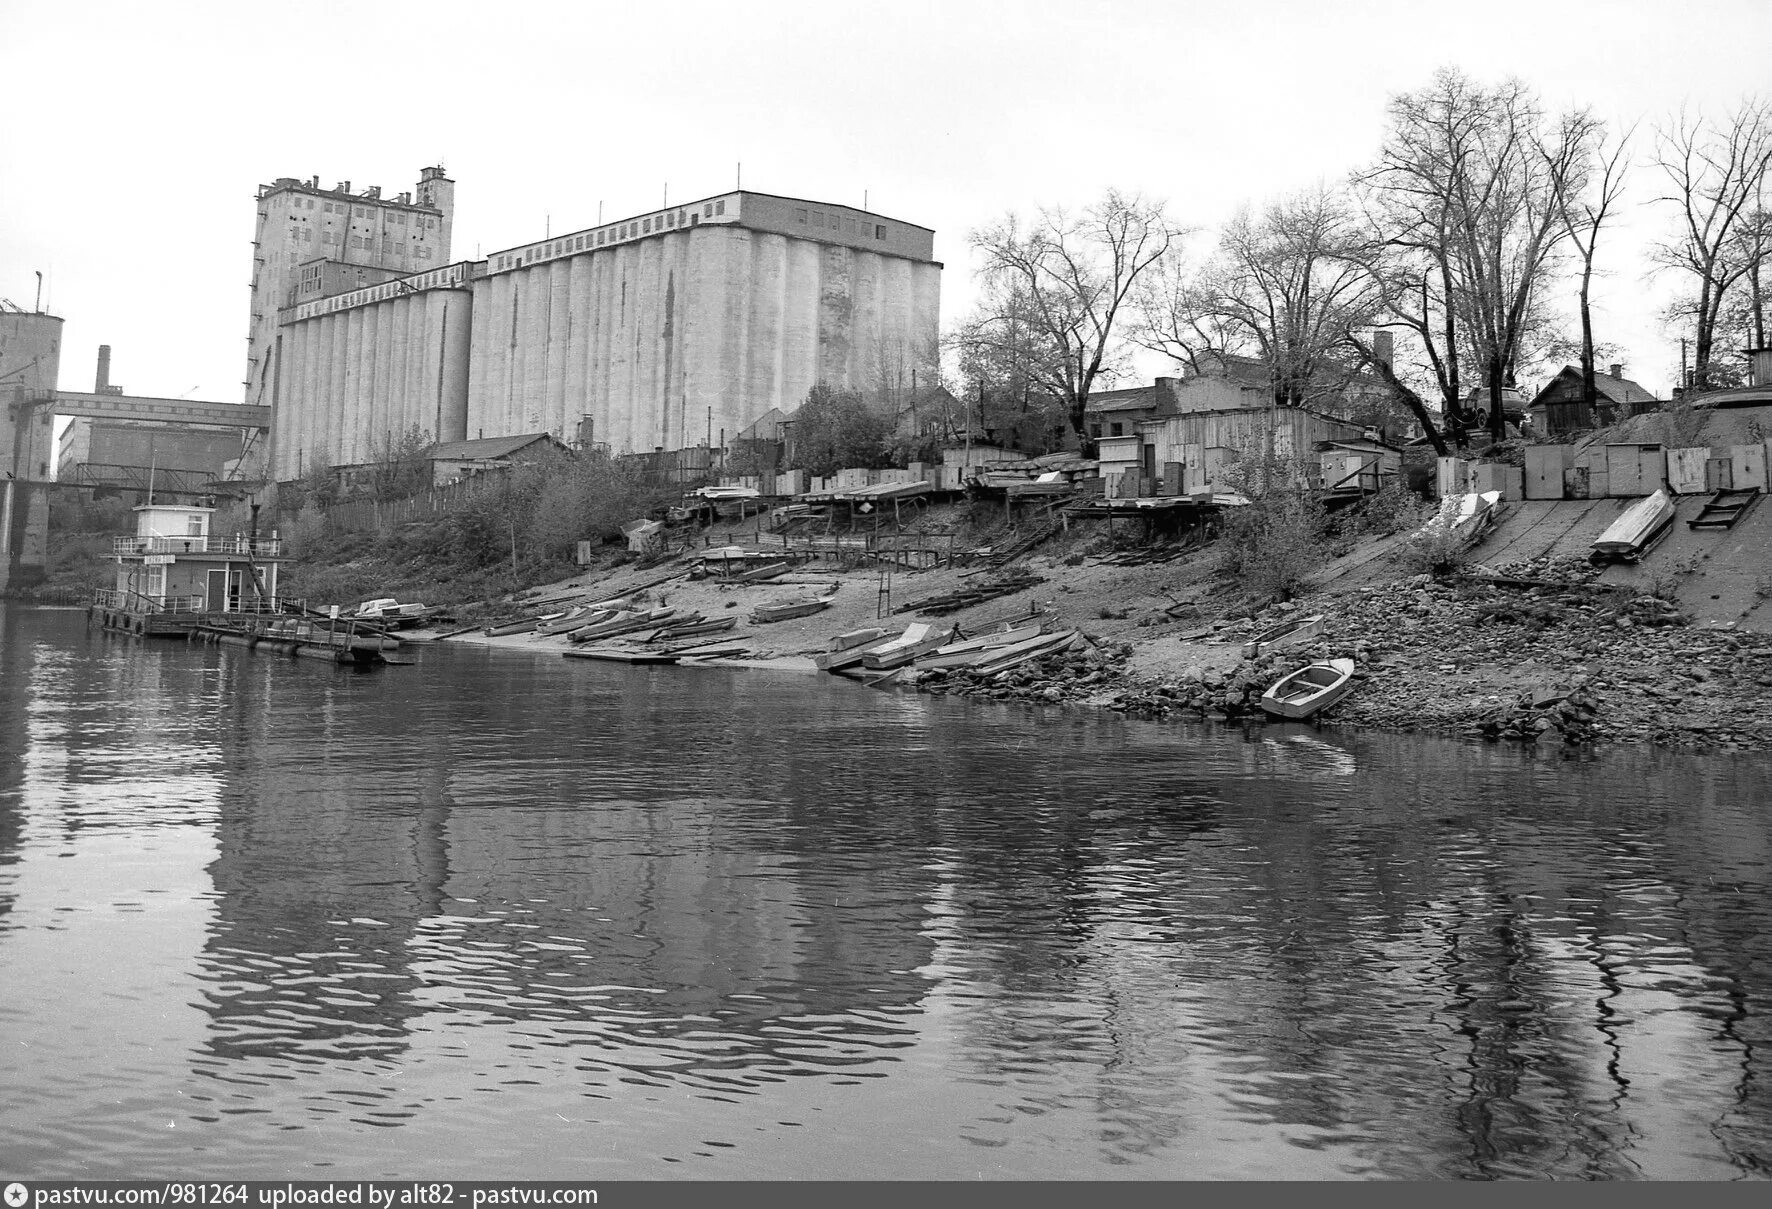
(1558, 407)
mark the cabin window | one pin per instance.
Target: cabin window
(1117, 430)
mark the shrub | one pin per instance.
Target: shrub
(1437, 553)
(1273, 543)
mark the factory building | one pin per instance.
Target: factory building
(311, 241)
(665, 330)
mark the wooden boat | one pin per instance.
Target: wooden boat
(783, 609)
(975, 650)
(838, 658)
(710, 650)
(574, 619)
(1004, 658)
(1637, 528)
(688, 629)
(918, 638)
(520, 626)
(625, 622)
(621, 654)
(1287, 633)
(1464, 519)
(390, 613)
(1305, 691)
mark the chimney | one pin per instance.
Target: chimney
(1617, 369)
(1381, 347)
(104, 370)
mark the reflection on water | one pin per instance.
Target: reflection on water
(503, 914)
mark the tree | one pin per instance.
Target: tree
(834, 429)
(1287, 287)
(1583, 215)
(1467, 195)
(398, 465)
(1716, 175)
(1061, 284)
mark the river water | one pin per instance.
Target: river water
(502, 914)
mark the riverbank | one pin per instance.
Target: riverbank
(1541, 649)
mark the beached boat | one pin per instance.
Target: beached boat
(621, 654)
(1004, 658)
(1464, 519)
(919, 638)
(854, 649)
(976, 650)
(575, 619)
(1637, 529)
(689, 629)
(520, 626)
(1287, 633)
(782, 610)
(623, 622)
(1307, 690)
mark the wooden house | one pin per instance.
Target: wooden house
(1558, 407)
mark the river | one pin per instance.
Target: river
(505, 915)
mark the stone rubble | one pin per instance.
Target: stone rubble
(1545, 655)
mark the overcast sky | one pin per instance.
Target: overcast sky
(136, 135)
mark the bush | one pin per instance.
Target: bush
(1438, 554)
(1273, 543)
(1392, 509)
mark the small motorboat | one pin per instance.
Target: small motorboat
(1307, 690)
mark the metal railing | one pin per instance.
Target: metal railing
(141, 602)
(201, 544)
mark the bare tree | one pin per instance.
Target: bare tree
(1468, 183)
(1716, 174)
(1065, 281)
(1583, 214)
(1287, 286)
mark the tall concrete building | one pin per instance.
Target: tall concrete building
(664, 330)
(310, 241)
(30, 364)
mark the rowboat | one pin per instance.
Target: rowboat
(919, 638)
(520, 626)
(576, 618)
(838, 658)
(976, 650)
(784, 609)
(622, 623)
(1287, 633)
(1306, 690)
(1004, 658)
(1637, 528)
(688, 629)
(620, 654)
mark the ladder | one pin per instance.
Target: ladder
(1725, 508)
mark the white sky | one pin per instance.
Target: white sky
(136, 134)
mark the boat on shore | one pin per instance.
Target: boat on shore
(1637, 529)
(919, 638)
(1306, 691)
(1287, 633)
(621, 654)
(782, 610)
(848, 650)
(976, 650)
(1001, 659)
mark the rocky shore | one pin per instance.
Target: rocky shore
(1536, 653)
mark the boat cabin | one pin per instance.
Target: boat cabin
(174, 568)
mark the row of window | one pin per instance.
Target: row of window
(838, 222)
(590, 240)
(399, 217)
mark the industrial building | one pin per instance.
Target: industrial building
(665, 330)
